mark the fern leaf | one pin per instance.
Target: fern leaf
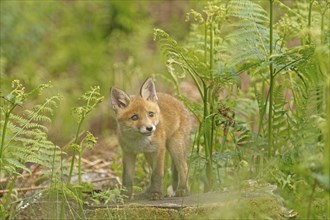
(26, 138)
(247, 10)
(16, 164)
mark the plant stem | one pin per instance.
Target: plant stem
(309, 23)
(72, 165)
(6, 199)
(208, 109)
(206, 121)
(263, 110)
(74, 151)
(225, 134)
(79, 167)
(193, 73)
(319, 98)
(211, 51)
(311, 200)
(271, 82)
(205, 42)
(211, 100)
(5, 125)
(7, 115)
(53, 168)
(323, 34)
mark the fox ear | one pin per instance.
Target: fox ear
(148, 90)
(118, 98)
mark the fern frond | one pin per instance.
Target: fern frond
(26, 138)
(247, 10)
(91, 98)
(293, 58)
(246, 108)
(23, 122)
(244, 135)
(35, 115)
(189, 59)
(250, 39)
(305, 133)
(280, 118)
(14, 164)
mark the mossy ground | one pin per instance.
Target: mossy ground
(246, 204)
(243, 208)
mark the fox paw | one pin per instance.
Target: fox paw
(149, 196)
(155, 196)
(181, 192)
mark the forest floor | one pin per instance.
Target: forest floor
(254, 201)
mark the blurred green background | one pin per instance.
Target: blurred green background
(79, 44)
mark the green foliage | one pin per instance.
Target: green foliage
(24, 136)
(249, 39)
(109, 196)
(276, 126)
(201, 60)
(275, 129)
(90, 99)
(82, 42)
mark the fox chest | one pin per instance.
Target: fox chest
(138, 145)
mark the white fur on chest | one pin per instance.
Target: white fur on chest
(137, 144)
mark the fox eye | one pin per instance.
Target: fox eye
(151, 114)
(135, 117)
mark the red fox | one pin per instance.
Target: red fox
(150, 123)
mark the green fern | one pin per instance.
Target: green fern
(305, 132)
(25, 138)
(203, 58)
(280, 57)
(181, 61)
(90, 100)
(249, 40)
(281, 118)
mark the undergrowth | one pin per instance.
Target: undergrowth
(274, 130)
(24, 141)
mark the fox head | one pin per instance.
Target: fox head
(136, 115)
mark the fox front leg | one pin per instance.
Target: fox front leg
(128, 172)
(177, 149)
(156, 160)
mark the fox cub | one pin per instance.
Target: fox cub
(150, 123)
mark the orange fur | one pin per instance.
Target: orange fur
(151, 123)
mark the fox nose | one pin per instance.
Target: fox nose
(149, 128)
